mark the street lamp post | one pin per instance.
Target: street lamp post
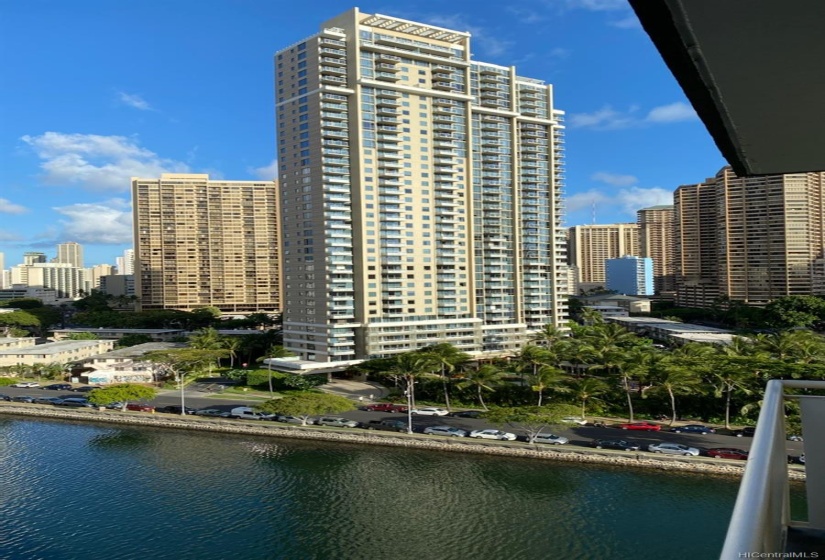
(182, 405)
(409, 395)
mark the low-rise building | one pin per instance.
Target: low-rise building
(64, 352)
(158, 335)
(673, 332)
(7, 343)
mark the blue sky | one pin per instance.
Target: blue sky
(93, 92)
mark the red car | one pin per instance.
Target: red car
(644, 426)
(727, 453)
(140, 407)
(386, 407)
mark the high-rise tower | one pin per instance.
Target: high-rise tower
(656, 242)
(590, 246)
(71, 253)
(421, 193)
(202, 243)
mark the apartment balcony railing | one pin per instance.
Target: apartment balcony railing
(761, 522)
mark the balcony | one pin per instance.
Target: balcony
(761, 522)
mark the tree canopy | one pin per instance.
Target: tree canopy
(304, 405)
(126, 392)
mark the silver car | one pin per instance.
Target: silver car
(551, 439)
(673, 449)
(445, 431)
(336, 421)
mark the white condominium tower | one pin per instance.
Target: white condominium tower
(421, 193)
(70, 252)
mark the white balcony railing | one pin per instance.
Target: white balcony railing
(761, 520)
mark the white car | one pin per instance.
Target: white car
(336, 421)
(430, 411)
(445, 431)
(26, 384)
(247, 413)
(551, 439)
(673, 449)
(574, 420)
(491, 433)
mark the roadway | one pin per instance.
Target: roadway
(578, 435)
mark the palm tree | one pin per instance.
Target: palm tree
(728, 375)
(676, 379)
(232, 344)
(206, 339)
(484, 378)
(408, 367)
(534, 358)
(586, 389)
(447, 357)
(547, 336)
(274, 352)
(547, 377)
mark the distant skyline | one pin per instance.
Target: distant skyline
(114, 90)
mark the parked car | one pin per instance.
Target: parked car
(26, 384)
(293, 419)
(466, 414)
(445, 431)
(5, 398)
(673, 449)
(116, 405)
(175, 409)
(23, 398)
(551, 439)
(47, 400)
(84, 389)
(336, 421)
(747, 431)
(386, 425)
(795, 437)
(247, 413)
(58, 387)
(644, 426)
(615, 444)
(728, 453)
(693, 429)
(574, 420)
(213, 412)
(140, 407)
(75, 401)
(386, 407)
(491, 433)
(430, 411)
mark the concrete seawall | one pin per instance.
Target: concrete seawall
(568, 454)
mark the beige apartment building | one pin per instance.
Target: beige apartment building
(70, 252)
(421, 193)
(752, 239)
(656, 225)
(201, 243)
(590, 246)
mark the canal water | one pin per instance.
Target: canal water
(80, 491)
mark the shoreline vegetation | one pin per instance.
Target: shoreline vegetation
(580, 455)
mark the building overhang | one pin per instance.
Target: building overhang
(754, 73)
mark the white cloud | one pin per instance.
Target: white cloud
(486, 41)
(9, 207)
(97, 162)
(108, 222)
(525, 15)
(675, 112)
(614, 179)
(8, 236)
(605, 118)
(134, 100)
(597, 5)
(627, 201)
(629, 22)
(608, 118)
(267, 172)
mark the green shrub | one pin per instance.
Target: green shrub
(6, 381)
(259, 379)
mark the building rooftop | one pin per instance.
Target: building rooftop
(674, 327)
(139, 350)
(123, 331)
(51, 348)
